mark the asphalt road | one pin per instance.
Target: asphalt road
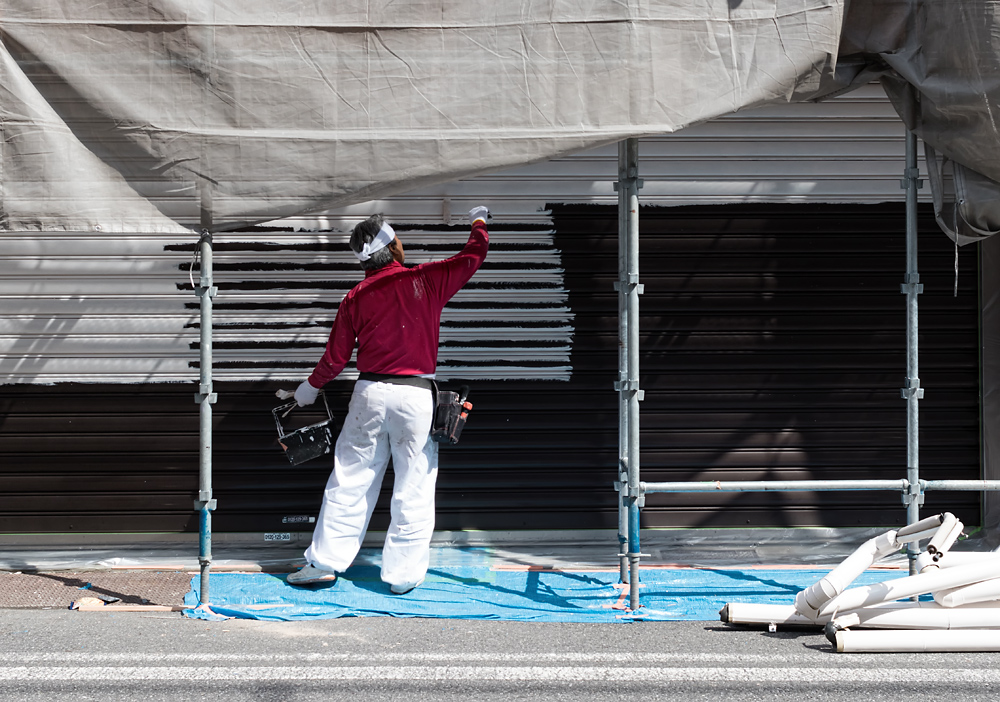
(62, 655)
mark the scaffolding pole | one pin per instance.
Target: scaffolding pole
(912, 392)
(620, 285)
(629, 289)
(205, 397)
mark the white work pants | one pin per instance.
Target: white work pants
(382, 420)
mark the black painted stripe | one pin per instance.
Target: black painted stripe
(325, 324)
(268, 306)
(278, 344)
(512, 324)
(347, 285)
(499, 305)
(274, 365)
(506, 343)
(501, 363)
(342, 246)
(485, 324)
(278, 365)
(250, 266)
(324, 305)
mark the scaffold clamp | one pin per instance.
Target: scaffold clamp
(914, 492)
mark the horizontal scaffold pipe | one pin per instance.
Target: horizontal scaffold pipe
(901, 485)
(774, 485)
(971, 485)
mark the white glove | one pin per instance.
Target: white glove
(479, 212)
(306, 394)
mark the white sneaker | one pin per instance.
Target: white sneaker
(311, 574)
(401, 590)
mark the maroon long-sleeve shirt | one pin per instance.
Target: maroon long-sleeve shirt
(394, 315)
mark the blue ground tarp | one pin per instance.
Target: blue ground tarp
(482, 592)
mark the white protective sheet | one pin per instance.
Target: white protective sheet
(291, 107)
(279, 108)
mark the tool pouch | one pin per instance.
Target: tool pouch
(450, 412)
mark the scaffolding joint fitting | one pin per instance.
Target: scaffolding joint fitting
(638, 494)
(630, 386)
(201, 504)
(201, 291)
(915, 288)
(632, 282)
(210, 397)
(914, 492)
(633, 495)
(627, 181)
(914, 393)
(640, 288)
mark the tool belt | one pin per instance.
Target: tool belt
(415, 381)
(450, 408)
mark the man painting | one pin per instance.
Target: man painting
(393, 317)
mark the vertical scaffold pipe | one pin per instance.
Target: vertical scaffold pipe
(622, 287)
(205, 397)
(912, 392)
(632, 185)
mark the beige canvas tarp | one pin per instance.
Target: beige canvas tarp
(277, 109)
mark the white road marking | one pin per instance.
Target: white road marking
(486, 674)
(378, 657)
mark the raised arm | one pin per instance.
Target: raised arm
(448, 276)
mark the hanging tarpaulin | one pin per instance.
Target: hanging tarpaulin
(943, 77)
(279, 109)
(284, 108)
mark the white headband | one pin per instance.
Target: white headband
(384, 237)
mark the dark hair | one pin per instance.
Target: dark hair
(364, 232)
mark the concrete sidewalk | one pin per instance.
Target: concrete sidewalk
(553, 548)
(53, 571)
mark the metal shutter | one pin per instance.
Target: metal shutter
(772, 347)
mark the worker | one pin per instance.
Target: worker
(393, 317)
